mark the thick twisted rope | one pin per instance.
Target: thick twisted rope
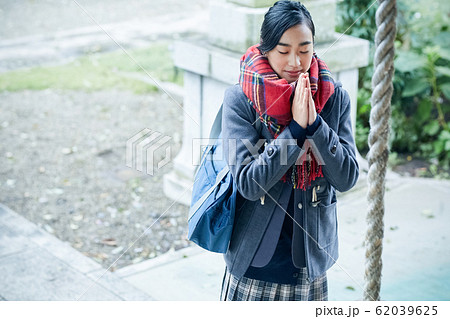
(378, 143)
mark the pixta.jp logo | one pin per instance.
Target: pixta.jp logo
(143, 150)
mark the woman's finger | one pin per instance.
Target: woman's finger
(305, 99)
(297, 91)
(312, 109)
(301, 90)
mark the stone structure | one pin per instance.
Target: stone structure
(211, 64)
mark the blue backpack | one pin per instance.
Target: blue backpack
(213, 203)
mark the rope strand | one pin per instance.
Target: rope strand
(378, 143)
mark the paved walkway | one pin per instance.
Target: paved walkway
(30, 18)
(36, 34)
(37, 266)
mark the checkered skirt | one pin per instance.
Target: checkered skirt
(258, 290)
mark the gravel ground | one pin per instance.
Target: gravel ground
(62, 166)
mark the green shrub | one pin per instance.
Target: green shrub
(420, 103)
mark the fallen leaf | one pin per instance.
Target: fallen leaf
(57, 191)
(10, 182)
(105, 152)
(49, 229)
(428, 213)
(109, 242)
(101, 256)
(117, 250)
(77, 218)
(66, 151)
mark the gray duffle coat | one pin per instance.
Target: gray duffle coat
(263, 197)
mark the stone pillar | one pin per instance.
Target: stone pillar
(211, 64)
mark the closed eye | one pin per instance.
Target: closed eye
(304, 52)
(282, 52)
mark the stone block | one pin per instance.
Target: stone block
(234, 27)
(349, 80)
(177, 184)
(341, 53)
(213, 93)
(178, 188)
(224, 65)
(204, 98)
(253, 3)
(191, 56)
(221, 64)
(344, 53)
(323, 13)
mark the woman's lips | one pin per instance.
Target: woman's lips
(294, 73)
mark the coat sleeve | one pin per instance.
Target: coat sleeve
(337, 148)
(255, 171)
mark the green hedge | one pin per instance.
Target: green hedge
(420, 103)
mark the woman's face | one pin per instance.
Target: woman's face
(292, 56)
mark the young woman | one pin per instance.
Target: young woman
(285, 232)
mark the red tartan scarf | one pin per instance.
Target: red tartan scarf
(272, 96)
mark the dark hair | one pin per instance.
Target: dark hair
(280, 17)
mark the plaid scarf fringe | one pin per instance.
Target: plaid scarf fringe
(301, 176)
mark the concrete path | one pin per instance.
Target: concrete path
(416, 253)
(36, 34)
(35, 265)
(30, 18)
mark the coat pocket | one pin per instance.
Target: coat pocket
(326, 225)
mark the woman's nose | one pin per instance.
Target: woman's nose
(294, 60)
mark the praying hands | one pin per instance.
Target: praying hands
(303, 107)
